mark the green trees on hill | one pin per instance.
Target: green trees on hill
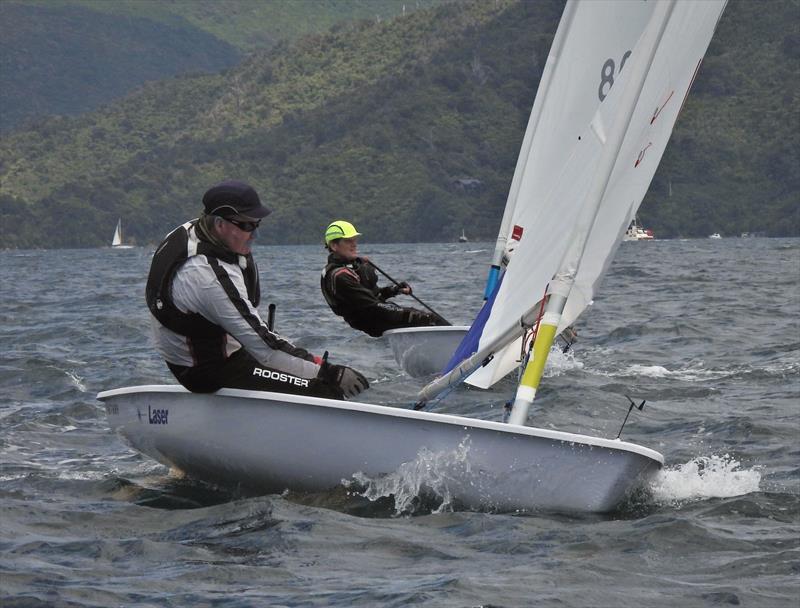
(70, 56)
(408, 127)
(62, 59)
(733, 158)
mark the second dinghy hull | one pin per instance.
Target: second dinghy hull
(424, 351)
(271, 442)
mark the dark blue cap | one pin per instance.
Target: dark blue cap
(233, 198)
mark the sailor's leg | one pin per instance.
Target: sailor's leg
(243, 371)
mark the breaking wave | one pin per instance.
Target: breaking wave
(77, 381)
(699, 373)
(704, 477)
(559, 362)
(422, 484)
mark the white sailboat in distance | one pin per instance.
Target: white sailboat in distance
(116, 240)
(275, 441)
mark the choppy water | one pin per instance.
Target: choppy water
(706, 331)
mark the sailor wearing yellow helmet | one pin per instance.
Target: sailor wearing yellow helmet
(350, 286)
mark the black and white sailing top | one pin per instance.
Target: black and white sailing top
(208, 298)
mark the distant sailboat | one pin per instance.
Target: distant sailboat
(116, 242)
(636, 233)
(463, 238)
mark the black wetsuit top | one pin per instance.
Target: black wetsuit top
(351, 290)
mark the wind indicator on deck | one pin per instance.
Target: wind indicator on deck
(639, 407)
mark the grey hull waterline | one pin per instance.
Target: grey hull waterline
(424, 351)
(272, 441)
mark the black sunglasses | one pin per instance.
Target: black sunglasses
(246, 226)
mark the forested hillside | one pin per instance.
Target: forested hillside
(408, 127)
(71, 56)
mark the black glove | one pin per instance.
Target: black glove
(399, 287)
(345, 379)
(419, 318)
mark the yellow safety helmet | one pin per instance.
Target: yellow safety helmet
(340, 229)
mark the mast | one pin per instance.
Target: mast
(559, 289)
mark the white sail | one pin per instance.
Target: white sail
(669, 79)
(591, 45)
(559, 206)
(568, 96)
(570, 91)
(116, 241)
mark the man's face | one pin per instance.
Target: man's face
(346, 248)
(236, 238)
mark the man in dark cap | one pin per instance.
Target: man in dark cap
(203, 293)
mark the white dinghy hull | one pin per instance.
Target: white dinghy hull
(424, 351)
(272, 441)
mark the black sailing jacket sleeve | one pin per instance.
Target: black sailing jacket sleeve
(353, 294)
